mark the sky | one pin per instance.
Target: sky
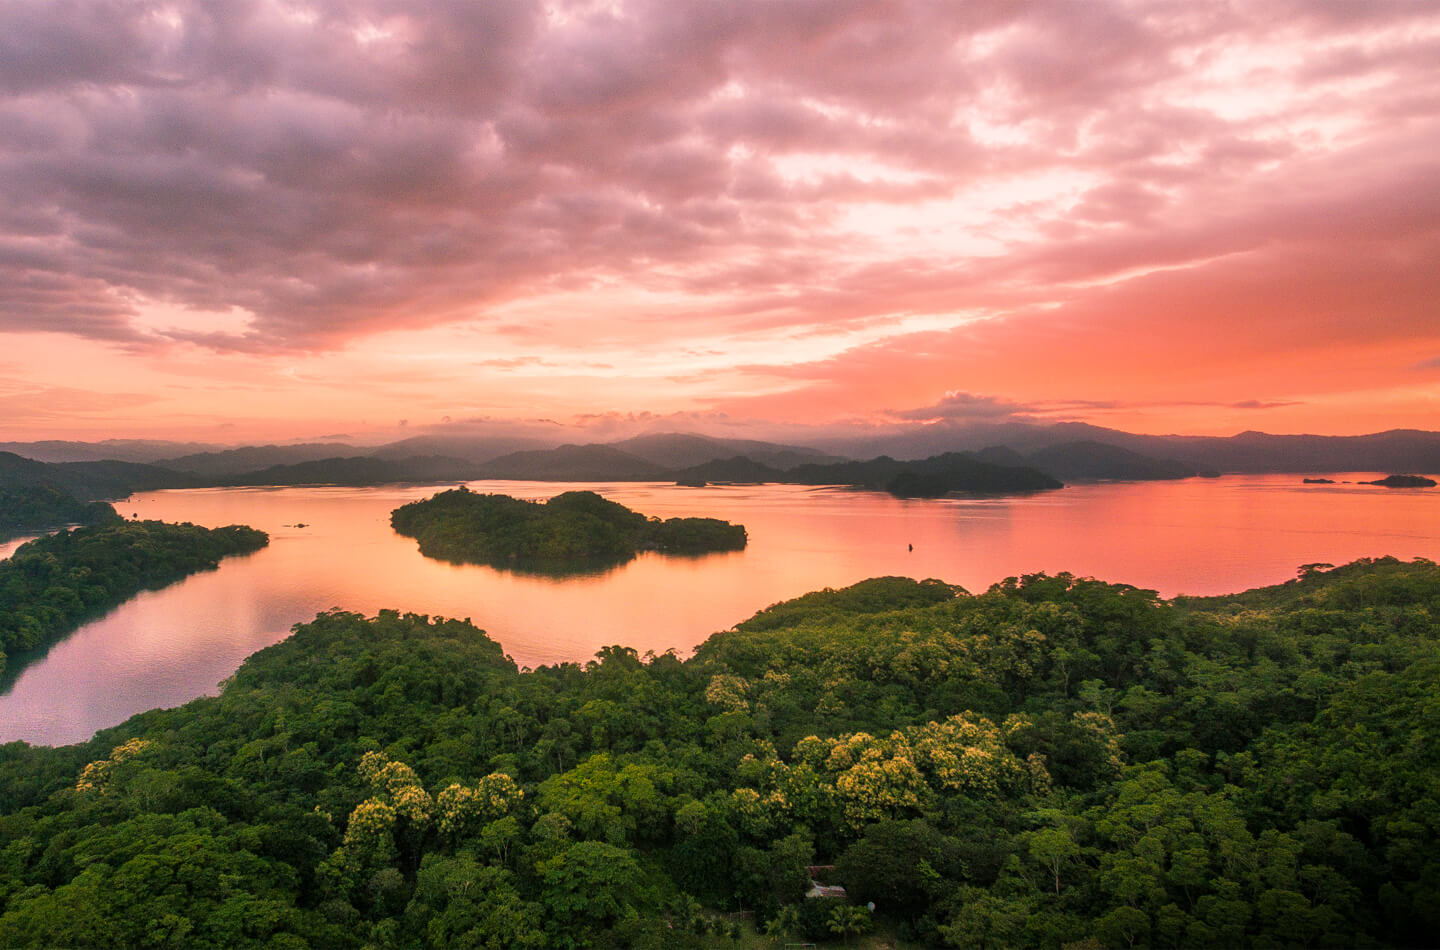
(262, 220)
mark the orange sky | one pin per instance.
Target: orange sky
(245, 220)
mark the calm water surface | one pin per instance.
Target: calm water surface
(8, 547)
(163, 648)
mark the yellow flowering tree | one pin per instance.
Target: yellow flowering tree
(460, 809)
(95, 777)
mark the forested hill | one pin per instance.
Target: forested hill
(1053, 762)
(89, 480)
(27, 508)
(51, 585)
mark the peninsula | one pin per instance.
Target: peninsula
(51, 585)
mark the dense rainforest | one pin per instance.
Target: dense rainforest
(576, 528)
(1057, 762)
(26, 508)
(52, 584)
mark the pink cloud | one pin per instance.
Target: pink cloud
(1179, 189)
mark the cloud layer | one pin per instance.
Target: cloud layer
(788, 209)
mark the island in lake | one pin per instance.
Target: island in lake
(576, 530)
(1403, 481)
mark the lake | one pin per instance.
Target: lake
(163, 648)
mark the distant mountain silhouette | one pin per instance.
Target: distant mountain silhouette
(121, 450)
(735, 469)
(356, 470)
(471, 448)
(578, 463)
(1001, 455)
(90, 481)
(1068, 451)
(1410, 450)
(930, 440)
(252, 458)
(684, 450)
(1095, 461)
(1397, 450)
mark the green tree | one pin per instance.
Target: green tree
(587, 889)
(847, 920)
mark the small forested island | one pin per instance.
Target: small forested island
(1318, 481)
(25, 508)
(574, 528)
(932, 477)
(1057, 762)
(1403, 481)
(52, 584)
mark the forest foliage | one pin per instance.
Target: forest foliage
(573, 528)
(52, 584)
(26, 508)
(1057, 762)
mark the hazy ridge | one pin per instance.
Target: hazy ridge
(1067, 452)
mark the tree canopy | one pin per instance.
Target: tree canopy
(25, 508)
(1054, 762)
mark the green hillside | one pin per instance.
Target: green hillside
(1055, 762)
(26, 508)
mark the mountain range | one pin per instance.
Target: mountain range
(1398, 450)
(1067, 452)
(90, 481)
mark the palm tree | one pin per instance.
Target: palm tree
(847, 919)
(785, 923)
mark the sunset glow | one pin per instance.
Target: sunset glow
(248, 220)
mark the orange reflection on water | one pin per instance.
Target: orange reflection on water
(1196, 536)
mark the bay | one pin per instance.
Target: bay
(9, 545)
(1196, 536)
